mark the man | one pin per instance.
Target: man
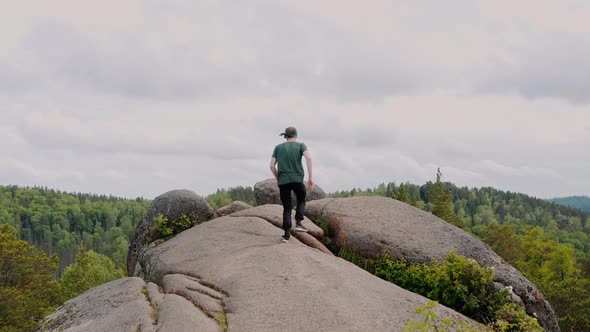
(290, 176)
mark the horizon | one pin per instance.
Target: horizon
(162, 95)
(252, 186)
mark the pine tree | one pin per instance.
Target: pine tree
(442, 200)
(402, 195)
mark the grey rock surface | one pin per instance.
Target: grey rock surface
(371, 225)
(267, 192)
(128, 304)
(172, 205)
(274, 214)
(234, 206)
(266, 285)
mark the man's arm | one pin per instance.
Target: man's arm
(273, 167)
(307, 156)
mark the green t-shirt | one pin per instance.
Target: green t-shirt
(288, 156)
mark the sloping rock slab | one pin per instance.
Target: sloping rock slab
(273, 286)
(371, 225)
(267, 192)
(274, 214)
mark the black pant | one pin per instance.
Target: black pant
(299, 190)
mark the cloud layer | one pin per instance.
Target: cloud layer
(158, 95)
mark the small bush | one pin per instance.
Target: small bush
(163, 227)
(323, 224)
(457, 282)
(431, 322)
(512, 318)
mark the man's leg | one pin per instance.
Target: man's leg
(300, 193)
(285, 190)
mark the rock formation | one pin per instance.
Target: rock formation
(267, 192)
(371, 225)
(233, 274)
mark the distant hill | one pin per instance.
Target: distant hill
(578, 202)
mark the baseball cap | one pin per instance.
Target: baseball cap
(289, 132)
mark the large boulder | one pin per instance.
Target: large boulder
(172, 205)
(232, 207)
(371, 225)
(267, 192)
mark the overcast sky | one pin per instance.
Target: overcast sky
(138, 97)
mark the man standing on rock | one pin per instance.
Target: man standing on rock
(290, 178)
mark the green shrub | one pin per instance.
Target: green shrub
(431, 322)
(512, 318)
(323, 224)
(457, 282)
(461, 283)
(163, 227)
(365, 264)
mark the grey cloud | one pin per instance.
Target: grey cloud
(129, 68)
(555, 67)
(372, 138)
(288, 51)
(13, 79)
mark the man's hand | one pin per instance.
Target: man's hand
(310, 184)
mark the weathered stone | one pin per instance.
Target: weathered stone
(371, 225)
(129, 304)
(274, 214)
(115, 306)
(234, 206)
(172, 205)
(273, 286)
(267, 192)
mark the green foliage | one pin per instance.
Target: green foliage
(365, 264)
(28, 290)
(505, 242)
(402, 195)
(89, 270)
(58, 222)
(547, 242)
(442, 200)
(512, 318)
(578, 202)
(223, 197)
(163, 227)
(221, 319)
(457, 282)
(323, 224)
(431, 322)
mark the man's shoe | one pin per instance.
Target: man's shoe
(300, 228)
(284, 239)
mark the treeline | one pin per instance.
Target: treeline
(547, 242)
(578, 202)
(223, 197)
(58, 222)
